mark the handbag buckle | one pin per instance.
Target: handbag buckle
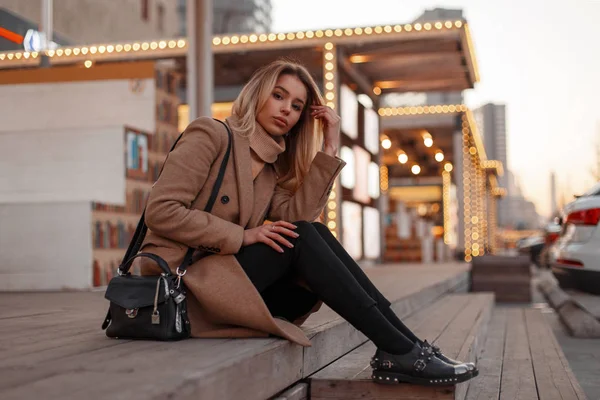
(131, 312)
(180, 274)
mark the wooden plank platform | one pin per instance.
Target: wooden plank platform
(457, 323)
(52, 347)
(523, 360)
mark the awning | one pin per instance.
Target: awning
(432, 56)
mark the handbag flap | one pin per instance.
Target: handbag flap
(132, 291)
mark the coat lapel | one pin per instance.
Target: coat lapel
(242, 162)
(264, 184)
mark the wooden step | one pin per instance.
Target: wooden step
(501, 265)
(508, 277)
(457, 323)
(52, 347)
(507, 288)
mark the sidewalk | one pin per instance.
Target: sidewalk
(583, 354)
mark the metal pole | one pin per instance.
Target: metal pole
(46, 22)
(199, 57)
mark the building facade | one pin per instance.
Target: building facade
(236, 16)
(106, 132)
(491, 122)
(91, 21)
(107, 117)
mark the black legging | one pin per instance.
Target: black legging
(333, 276)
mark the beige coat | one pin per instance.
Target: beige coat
(222, 301)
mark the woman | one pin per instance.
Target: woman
(267, 278)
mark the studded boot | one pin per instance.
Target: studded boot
(417, 367)
(431, 348)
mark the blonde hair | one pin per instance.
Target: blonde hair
(304, 139)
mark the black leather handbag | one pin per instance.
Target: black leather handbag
(153, 307)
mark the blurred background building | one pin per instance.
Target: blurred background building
(239, 16)
(514, 211)
(89, 21)
(93, 21)
(404, 169)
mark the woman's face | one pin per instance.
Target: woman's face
(284, 106)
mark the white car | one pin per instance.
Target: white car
(575, 258)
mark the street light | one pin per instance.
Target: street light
(386, 143)
(427, 139)
(402, 157)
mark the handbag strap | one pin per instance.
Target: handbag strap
(142, 229)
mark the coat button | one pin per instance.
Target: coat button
(225, 199)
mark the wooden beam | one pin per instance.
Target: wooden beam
(78, 73)
(358, 77)
(399, 60)
(469, 54)
(421, 72)
(428, 46)
(412, 64)
(428, 85)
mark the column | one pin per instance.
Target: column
(331, 93)
(460, 184)
(199, 58)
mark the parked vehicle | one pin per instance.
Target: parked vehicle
(551, 234)
(575, 258)
(531, 246)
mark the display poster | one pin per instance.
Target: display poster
(372, 131)
(349, 111)
(371, 232)
(362, 159)
(136, 154)
(352, 229)
(373, 178)
(403, 221)
(348, 174)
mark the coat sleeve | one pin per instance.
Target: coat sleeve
(184, 174)
(309, 200)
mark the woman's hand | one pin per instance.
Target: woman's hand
(270, 234)
(331, 128)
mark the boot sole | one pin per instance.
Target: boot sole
(394, 378)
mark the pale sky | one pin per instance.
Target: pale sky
(539, 57)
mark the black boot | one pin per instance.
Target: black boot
(418, 367)
(438, 353)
